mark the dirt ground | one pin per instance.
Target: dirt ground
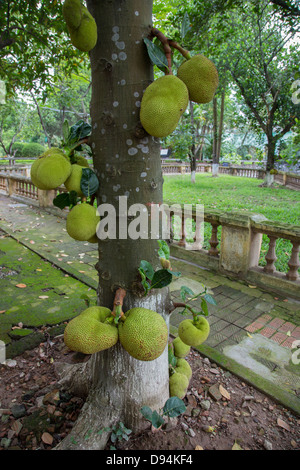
(222, 412)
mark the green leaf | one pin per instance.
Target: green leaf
(174, 406)
(89, 182)
(186, 291)
(172, 358)
(146, 412)
(144, 281)
(185, 25)
(204, 307)
(210, 299)
(174, 273)
(157, 420)
(62, 200)
(164, 249)
(79, 131)
(156, 55)
(161, 278)
(147, 269)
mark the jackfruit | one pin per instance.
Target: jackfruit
(201, 78)
(162, 104)
(93, 239)
(84, 37)
(50, 171)
(80, 160)
(180, 349)
(178, 384)
(72, 13)
(183, 367)
(82, 222)
(89, 333)
(143, 334)
(194, 332)
(73, 182)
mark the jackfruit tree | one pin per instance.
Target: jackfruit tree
(126, 333)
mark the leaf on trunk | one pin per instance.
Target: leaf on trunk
(156, 55)
(89, 182)
(161, 278)
(147, 269)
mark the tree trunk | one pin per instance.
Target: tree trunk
(215, 160)
(269, 179)
(127, 163)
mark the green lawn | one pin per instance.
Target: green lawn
(231, 193)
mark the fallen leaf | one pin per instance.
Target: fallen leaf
(82, 271)
(32, 242)
(236, 447)
(288, 333)
(252, 287)
(2, 311)
(38, 269)
(248, 334)
(47, 438)
(283, 424)
(224, 392)
(21, 286)
(199, 448)
(43, 297)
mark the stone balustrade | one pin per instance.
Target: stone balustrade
(234, 245)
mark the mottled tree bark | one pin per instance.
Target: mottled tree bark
(127, 163)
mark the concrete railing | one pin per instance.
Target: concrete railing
(237, 254)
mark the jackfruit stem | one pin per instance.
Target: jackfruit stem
(165, 42)
(118, 303)
(181, 304)
(186, 54)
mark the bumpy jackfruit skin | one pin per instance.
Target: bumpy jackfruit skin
(93, 239)
(82, 222)
(143, 334)
(72, 13)
(201, 78)
(162, 105)
(88, 333)
(85, 36)
(80, 160)
(50, 171)
(33, 174)
(178, 384)
(180, 349)
(73, 182)
(193, 332)
(183, 367)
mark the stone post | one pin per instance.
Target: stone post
(45, 198)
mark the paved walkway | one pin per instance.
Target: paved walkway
(254, 334)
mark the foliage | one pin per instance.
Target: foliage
(32, 150)
(34, 43)
(173, 407)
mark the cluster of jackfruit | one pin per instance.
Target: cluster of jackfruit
(81, 25)
(190, 333)
(53, 169)
(143, 333)
(166, 99)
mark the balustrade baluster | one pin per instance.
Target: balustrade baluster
(271, 256)
(213, 251)
(182, 241)
(294, 263)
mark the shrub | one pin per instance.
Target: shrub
(32, 150)
(18, 146)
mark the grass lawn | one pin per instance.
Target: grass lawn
(232, 193)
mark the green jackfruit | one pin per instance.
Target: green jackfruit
(178, 384)
(84, 37)
(201, 78)
(73, 182)
(82, 221)
(72, 13)
(89, 333)
(194, 332)
(143, 334)
(50, 171)
(82, 161)
(183, 367)
(180, 349)
(162, 104)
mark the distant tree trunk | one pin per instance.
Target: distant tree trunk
(127, 163)
(219, 139)
(41, 120)
(215, 161)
